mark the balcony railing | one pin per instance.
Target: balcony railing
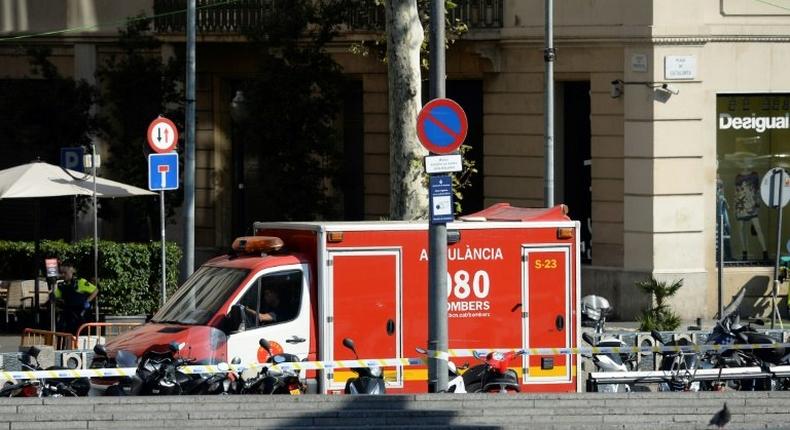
(242, 15)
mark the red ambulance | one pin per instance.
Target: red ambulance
(513, 282)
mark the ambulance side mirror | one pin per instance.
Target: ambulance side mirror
(234, 321)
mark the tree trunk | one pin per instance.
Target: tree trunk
(408, 193)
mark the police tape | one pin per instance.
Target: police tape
(691, 348)
(383, 362)
(211, 369)
(66, 373)
(314, 365)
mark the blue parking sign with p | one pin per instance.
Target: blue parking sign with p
(72, 158)
(163, 171)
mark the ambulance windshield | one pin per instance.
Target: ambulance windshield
(201, 296)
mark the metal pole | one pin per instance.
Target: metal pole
(548, 58)
(720, 259)
(437, 233)
(189, 163)
(95, 230)
(780, 182)
(162, 231)
(37, 259)
(74, 219)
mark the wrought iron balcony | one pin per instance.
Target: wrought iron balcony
(236, 17)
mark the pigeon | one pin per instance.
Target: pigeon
(721, 418)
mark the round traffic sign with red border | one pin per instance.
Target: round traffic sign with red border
(442, 126)
(162, 135)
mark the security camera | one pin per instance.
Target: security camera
(666, 88)
(617, 88)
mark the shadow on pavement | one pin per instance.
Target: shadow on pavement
(388, 411)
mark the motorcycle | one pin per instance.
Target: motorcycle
(275, 380)
(594, 312)
(681, 365)
(159, 374)
(159, 368)
(610, 362)
(369, 380)
(63, 387)
(455, 381)
(728, 331)
(113, 386)
(494, 374)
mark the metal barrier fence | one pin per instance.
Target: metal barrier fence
(646, 360)
(57, 340)
(89, 334)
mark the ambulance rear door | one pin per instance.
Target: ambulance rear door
(547, 290)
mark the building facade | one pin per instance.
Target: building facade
(665, 112)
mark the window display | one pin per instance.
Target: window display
(753, 136)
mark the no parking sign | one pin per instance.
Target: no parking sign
(442, 126)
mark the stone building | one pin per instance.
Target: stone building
(659, 104)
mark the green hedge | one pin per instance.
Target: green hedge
(130, 275)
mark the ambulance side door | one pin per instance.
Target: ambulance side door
(366, 292)
(291, 332)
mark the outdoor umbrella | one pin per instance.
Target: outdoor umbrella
(40, 179)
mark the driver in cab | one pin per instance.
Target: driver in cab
(271, 307)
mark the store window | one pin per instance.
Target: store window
(753, 136)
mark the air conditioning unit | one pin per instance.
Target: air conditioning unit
(73, 360)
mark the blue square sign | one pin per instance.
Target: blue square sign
(72, 158)
(440, 199)
(163, 171)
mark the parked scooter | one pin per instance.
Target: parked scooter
(63, 387)
(113, 386)
(275, 380)
(595, 309)
(455, 381)
(610, 362)
(369, 380)
(729, 330)
(158, 374)
(494, 374)
(682, 366)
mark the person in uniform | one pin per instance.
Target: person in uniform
(74, 295)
